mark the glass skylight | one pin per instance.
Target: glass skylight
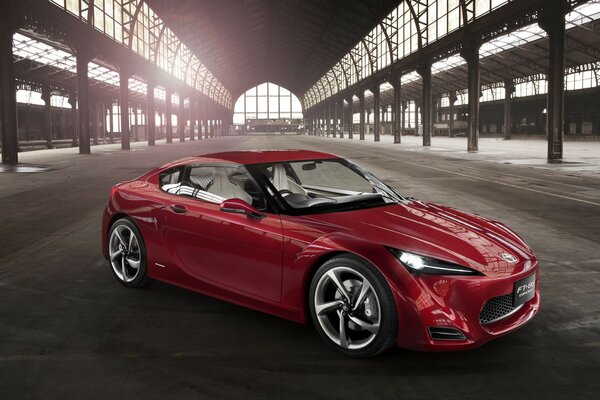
(28, 48)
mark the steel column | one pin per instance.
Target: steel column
(83, 57)
(426, 101)
(361, 107)
(200, 119)
(8, 92)
(403, 122)
(94, 121)
(124, 104)
(192, 112)
(417, 107)
(553, 22)
(73, 104)
(333, 117)
(181, 120)
(136, 122)
(46, 96)
(509, 88)
(169, 115)
(111, 122)
(150, 113)
(471, 55)
(350, 116)
(27, 122)
(452, 100)
(397, 110)
(339, 106)
(376, 112)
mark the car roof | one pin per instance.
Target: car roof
(266, 156)
(252, 157)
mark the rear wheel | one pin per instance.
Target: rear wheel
(352, 307)
(127, 254)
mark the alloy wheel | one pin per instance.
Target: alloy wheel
(347, 308)
(124, 252)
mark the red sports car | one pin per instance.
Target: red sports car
(307, 235)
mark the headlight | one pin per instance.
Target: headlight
(417, 264)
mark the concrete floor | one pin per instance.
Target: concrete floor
(68, 330)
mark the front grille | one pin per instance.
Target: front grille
(497, 308)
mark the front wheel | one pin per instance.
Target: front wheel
(352, 307)
(127, 254)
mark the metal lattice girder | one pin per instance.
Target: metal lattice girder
(130, 11)
(519, 61)
(573, 44)
(584, 67)
(530, 78)
(504, 70)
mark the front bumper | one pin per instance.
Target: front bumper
(455, 303)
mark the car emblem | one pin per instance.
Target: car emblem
(509, 257)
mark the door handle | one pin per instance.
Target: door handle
(179, 209)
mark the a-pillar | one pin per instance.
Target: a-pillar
(46, 96)
(451, 100)
(361, 108)
(124, 104)
(8, 92)
(169, 115)
(181, 119)
(509, 88)
(83, 57)
(349, 116)
(426, 101)
(470, 53)
(553, 22)
(376, 112)
(397, 110)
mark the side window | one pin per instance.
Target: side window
(170, 178)
(213, 184)
(235, 182)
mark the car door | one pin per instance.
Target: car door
(233, 251)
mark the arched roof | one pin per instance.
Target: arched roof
(288, 42)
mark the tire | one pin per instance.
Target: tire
(369, 320)
(127, 254)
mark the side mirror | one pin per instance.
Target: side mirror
(239, 206)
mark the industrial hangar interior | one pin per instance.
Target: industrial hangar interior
(488, 106)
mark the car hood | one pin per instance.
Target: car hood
(434, 231)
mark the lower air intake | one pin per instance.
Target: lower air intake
(497, 308)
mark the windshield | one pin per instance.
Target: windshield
(326, 185)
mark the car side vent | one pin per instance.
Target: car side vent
(441, 333)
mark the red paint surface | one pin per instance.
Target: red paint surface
(266, 264)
